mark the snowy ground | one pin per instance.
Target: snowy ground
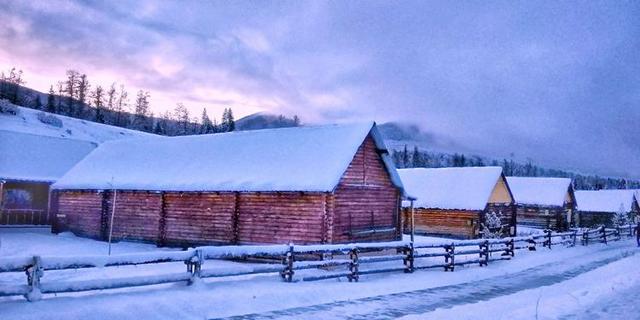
(581, 282)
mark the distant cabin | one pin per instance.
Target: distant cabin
(469, 202)
(599, 207)
(324, 184)
(29, 164)
(546, 203)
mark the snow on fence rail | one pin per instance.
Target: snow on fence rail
(294, 259)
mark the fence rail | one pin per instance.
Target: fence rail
(293, 260)
(24, 217)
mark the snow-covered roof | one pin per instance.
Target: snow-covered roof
(26, 121)
(467, 188)
(605, 200)
(539, 191)
(287, 159)
(30, 157)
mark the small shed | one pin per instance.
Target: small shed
(29, 164)
(467, 202)
(599, 207)
(323, 184)
(547, 203)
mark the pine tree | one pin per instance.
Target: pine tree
(141, 117)
(60, 93)
(228, 123)
(82, 91)
(405, 157)
(51, 103)
(98, 103)
(207, 125)
(111, 98)
(38, 103)
(181, 114)
(296, 121)
(71, 85)
(10, 85)
(416, 158)
(121, 105)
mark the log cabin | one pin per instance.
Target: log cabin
(598, 207)
(305, 185)
(545, 203)
(469, 202)
(29, 164)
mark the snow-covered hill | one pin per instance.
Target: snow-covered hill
(29, 121)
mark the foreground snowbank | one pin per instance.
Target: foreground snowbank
(248, 294)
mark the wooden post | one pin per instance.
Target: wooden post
(353, 266)
(531, 244)
(194, 266)
(510, 248)
(287, 273)
(409, 259)
(548, 240)
(34, 273)
(235, 221)
(413, 221)
(449, 258)
(574, 236)
(604, 234)
(113, 213)
(162, 222)
(483, 253)
(585, 237)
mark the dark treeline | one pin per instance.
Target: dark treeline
(76, 97)
(423, 159)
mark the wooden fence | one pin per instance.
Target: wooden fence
(294, 259)
(24, 217)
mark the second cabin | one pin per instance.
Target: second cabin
(469, 202)
(546, 203)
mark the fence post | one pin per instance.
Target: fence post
(484, 253)
(604, 234)
(547, 242)
(194, 266)
(353, 265)
(585, 237)
(449, 258)
(573, 237)
(510, 249)
(287, 273)
(531, 244)
(34, 273)
(409, 259)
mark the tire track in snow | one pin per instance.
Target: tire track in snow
(421, 301)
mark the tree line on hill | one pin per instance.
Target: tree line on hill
(76, 97)
(424, 159)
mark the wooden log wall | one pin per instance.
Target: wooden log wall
(535, 216)
(82, 212)
(366, 200)
(595, 219)
(449, 223)
(199, 218)
(137, 215)
(281, 217)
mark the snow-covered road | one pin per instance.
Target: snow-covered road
(421, 301)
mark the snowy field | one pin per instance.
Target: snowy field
(592, 282)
